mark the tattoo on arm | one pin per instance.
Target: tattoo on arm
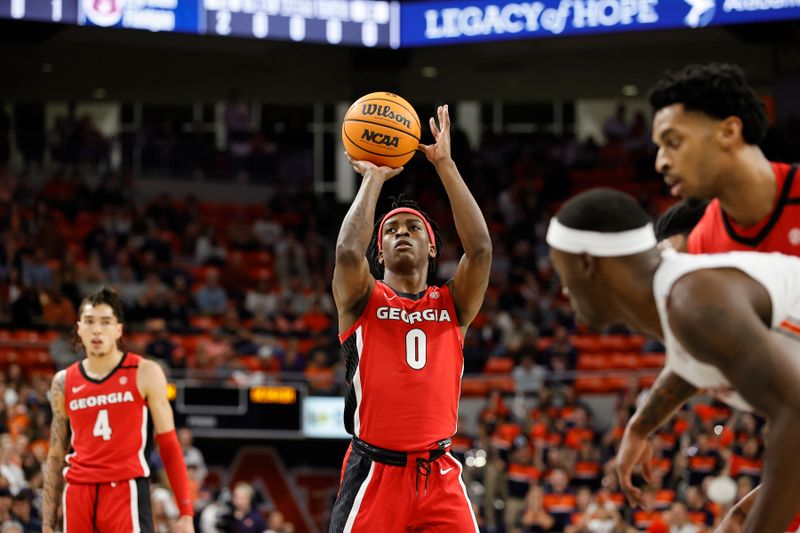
(53, 480)
(668, 394)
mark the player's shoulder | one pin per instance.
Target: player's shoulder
(59, 380)
(148, 367)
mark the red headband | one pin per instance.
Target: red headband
(394, 212)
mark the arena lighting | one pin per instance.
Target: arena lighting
(396, 24)
(630, 90)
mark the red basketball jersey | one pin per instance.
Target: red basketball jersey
(109, 422)
(404, 364)
(778, 232)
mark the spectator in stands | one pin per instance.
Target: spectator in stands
(558, 501)
(10, 526)
(697, 507)
(319, 375)
(26, 311)
(536, 517)
(704, 460)
(62, 350)
(191, 454)
(678, 520)
(561, 347)
(246, 518)
(235, 278)
(212, 352)
(57, 310)
(209, 250)
(240, 233)
(165, 512)
(161, 346)
(276, 523)
(5, 501)
(528, 376)
(290, 258)
(22, 513)
(211, 297)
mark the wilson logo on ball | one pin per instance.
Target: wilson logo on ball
(385, 111)
(381, 128)
(380, 138)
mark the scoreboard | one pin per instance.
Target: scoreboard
(282, 411)
(367, 23)
(395, 24)
(360, 23)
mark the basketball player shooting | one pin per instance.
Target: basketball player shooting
(728, 321)
(106, 399)
(402, 341)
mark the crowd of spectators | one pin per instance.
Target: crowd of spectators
(242, 292)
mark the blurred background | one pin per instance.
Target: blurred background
(188, 154)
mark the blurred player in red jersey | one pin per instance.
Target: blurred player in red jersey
(106, 400)
(402, 340)
(708, 124)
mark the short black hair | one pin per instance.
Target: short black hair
(104, 296)
(603, 210)
(681, 218)
(401, 201)
(718, 90)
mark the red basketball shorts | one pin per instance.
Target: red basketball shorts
(118, 507)
(395, 499)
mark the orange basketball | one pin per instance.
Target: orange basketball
(381, 128)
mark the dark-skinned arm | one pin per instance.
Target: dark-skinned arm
(668, 394)
(720, 317)
(472, 275)
(352, 280)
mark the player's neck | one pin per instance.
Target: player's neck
(750, 194)
(636, 304)
(408, 283)
(98, 366)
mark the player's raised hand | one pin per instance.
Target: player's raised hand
(365, 167)
(441, 133)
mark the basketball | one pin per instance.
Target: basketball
(381, 128)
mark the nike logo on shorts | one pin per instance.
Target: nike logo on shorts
(443, 472)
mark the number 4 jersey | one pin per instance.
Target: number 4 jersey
(109, 423)
(404, 363)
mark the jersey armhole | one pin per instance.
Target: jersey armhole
(455, 312)
(349, 331)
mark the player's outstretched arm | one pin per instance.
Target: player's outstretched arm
(352, 281)
(153, 384)
(735, 517)
(53, 480)
(720, 317)
(472, 275)
(668, 394)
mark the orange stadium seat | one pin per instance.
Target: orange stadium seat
(26, 336)
(587, 343)
(8, 356)
(474, 387)
(204, 322)
(652, 360)
(589, 385)
(592, 361)
(503, 384)
(646, 381)
(625, 360)
(613, 343)
(499, 365)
